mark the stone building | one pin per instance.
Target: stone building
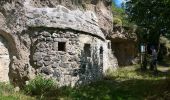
(58, 41)
(67, 45)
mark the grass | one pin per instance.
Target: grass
(7, 92)
(127, 83)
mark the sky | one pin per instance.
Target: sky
(118, 2)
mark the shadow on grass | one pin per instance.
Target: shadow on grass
(149, 88)
(125, 90)
(149, 73)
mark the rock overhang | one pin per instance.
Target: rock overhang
(63, 18)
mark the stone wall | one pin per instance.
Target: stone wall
(73, 65)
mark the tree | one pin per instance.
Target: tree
(119, 16)
(152, 16)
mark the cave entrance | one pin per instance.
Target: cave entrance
(4, 60)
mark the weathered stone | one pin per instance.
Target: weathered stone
(46, 70)
(55, 65)
(4, 60)
(49, 39)
(55, 46)
(47, 58)
(56, 59)
(64, 65)
(39, 64)
(55, 35)
(62, 53)
(64, 58)
(47, 63)
(51, 53)
(37, 56)
(73, 58)
(41, 38)
(56, 74)
(46, 34)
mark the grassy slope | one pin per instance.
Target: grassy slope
(125, 84)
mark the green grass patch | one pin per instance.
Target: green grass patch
(7, 93)
(128, 83)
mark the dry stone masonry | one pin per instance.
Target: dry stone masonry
(61, 39)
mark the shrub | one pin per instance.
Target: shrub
(40, 86)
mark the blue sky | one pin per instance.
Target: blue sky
(118, 2)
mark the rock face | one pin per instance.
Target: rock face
(4, 58)
(124, 45)
(62, 39)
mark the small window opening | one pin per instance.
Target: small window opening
(101, 50)
(83, 69)
(87, 50)
(109, 45)
(61, 46)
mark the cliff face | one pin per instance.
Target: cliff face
(17, 16)
(102, 8)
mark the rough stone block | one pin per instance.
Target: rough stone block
(64, 58)
(39, 63)
(46, 71)
(55, 46)
(56, 58)
(37, 56)
(56, 73)
(55, 35)
(47, 58)
(55, 65)
(64, 65)
(47, 63)
(51, 53)
(46, 34)
(49, 39)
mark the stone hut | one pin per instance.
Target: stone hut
(67, 45)
(55, 38)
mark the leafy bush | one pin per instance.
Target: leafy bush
(40, 86)
(117, 22)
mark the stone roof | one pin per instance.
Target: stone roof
(61, 17)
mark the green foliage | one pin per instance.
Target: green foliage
(117, 22)
(152, 16)
(40, 86)
(130, 73)
(120, 17)
(127, 83)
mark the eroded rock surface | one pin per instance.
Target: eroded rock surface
(4, 60)
(124, 45)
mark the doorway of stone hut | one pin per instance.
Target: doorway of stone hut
(4, 60)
